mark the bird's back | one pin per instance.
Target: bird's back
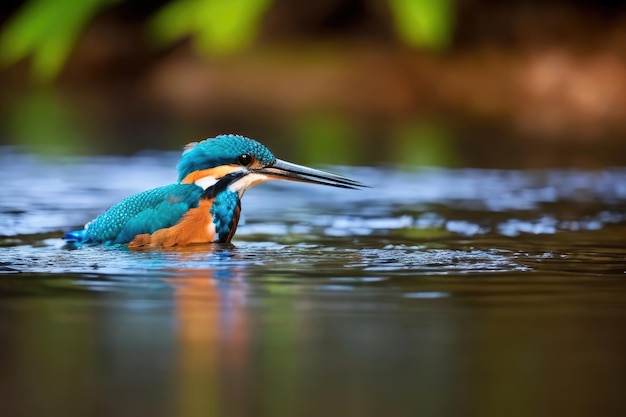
(141, 213)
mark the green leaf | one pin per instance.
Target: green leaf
(423, 23)
(46, 30)
(216, 26)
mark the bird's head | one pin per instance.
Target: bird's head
(239, 163)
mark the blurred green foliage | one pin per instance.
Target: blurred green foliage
(216, 26)
(44, 123)
(423, 23)
(326, 137)
(424, 143)
(46, 30)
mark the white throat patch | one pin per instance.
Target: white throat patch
(248, 181)
(206, 182)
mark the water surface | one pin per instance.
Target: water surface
(435, 292)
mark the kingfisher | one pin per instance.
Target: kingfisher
(204, 205)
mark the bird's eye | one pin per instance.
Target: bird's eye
(245, 159)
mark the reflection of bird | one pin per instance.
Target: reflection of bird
(204, 205)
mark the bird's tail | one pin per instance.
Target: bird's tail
(77, 236)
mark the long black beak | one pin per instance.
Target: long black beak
(282, 170)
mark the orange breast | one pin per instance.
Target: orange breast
(196, 226)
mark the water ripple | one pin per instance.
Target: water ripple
(435, 221)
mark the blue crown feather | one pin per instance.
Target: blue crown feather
(221, 150)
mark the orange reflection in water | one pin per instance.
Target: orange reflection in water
(213, 336)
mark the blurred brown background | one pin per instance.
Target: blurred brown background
(483, 83)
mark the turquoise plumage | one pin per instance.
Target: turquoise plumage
(145, 212)
(225, 212)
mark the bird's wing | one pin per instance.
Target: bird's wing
(145, 212)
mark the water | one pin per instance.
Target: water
(435, 292)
